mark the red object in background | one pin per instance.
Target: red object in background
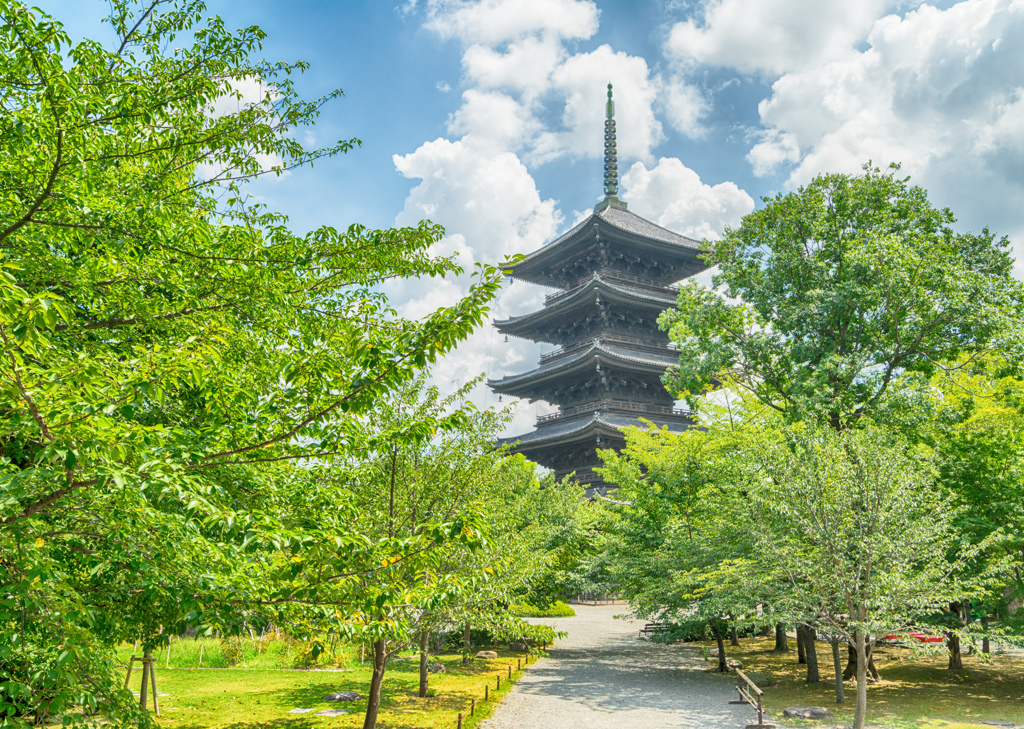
(919, 637)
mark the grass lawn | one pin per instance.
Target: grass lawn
(237, 698)
(915, 691)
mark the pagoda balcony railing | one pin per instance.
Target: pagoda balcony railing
(649, 344)
(610, 275)
(642, 408)
(585, 476)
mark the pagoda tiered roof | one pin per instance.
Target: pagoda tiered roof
(561, 306)
(666, 257)
(615, 272)
(585, 429)
(583, 360)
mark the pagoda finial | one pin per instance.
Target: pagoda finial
(611, 162)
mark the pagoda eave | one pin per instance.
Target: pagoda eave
(620, 231)
(558, 308)
(555, 437)
(587, 361)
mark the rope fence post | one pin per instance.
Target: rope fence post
(460, 720)
(472, 707)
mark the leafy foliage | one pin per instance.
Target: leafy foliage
(168, 349)
(831, 292)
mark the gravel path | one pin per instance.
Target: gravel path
(601, 676)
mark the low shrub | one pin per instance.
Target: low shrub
(557, 609)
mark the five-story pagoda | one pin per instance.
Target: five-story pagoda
(614, 274)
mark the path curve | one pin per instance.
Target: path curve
(602, 677)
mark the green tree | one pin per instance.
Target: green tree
(855, 525)
(441, 504)
(169, 349)
(679, 527)
(977, 433)
(829, 293)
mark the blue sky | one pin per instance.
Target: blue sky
(484, 115)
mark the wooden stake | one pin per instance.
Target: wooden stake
(486, 690)
(200, 654)
(460, 720)
(510, 672)
(519, 664)
(498, 687)
(152, 679)
(128, 678)
(472, 707)
(167, 663)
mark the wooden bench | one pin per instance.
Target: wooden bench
(651, 628)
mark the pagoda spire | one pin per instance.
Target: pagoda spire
(611, 158)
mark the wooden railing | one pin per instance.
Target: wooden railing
(751, 694)
(563, 352)
(611, 275)
(640, 408)
(650, 345)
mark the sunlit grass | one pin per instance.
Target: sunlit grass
(915, 691)
(256, 697)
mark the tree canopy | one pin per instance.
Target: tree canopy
(826, 295)
(170, 349)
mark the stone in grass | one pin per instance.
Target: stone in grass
(343, 696)
(487, 655)
(734, 663)
(301, 711)
(332, 712)
(807, 712)
(436, 668)
(994, 722)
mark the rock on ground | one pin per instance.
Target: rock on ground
(807, 712)
(343, 696)
(487, 655)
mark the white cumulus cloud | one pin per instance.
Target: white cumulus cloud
(673, 196)
(497, 21)
(772, 36)
(582, 82)
(938, 90)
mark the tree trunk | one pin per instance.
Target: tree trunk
(424, 658)
(379, 657)
(956, 661)
(147, 666)
(801, 639)
(781, 644)
(723, 667)
(986, 648)
(811, 653)
(861, 710)
(836, 663)
(467, 643)
(734, 637)
(851, 664)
